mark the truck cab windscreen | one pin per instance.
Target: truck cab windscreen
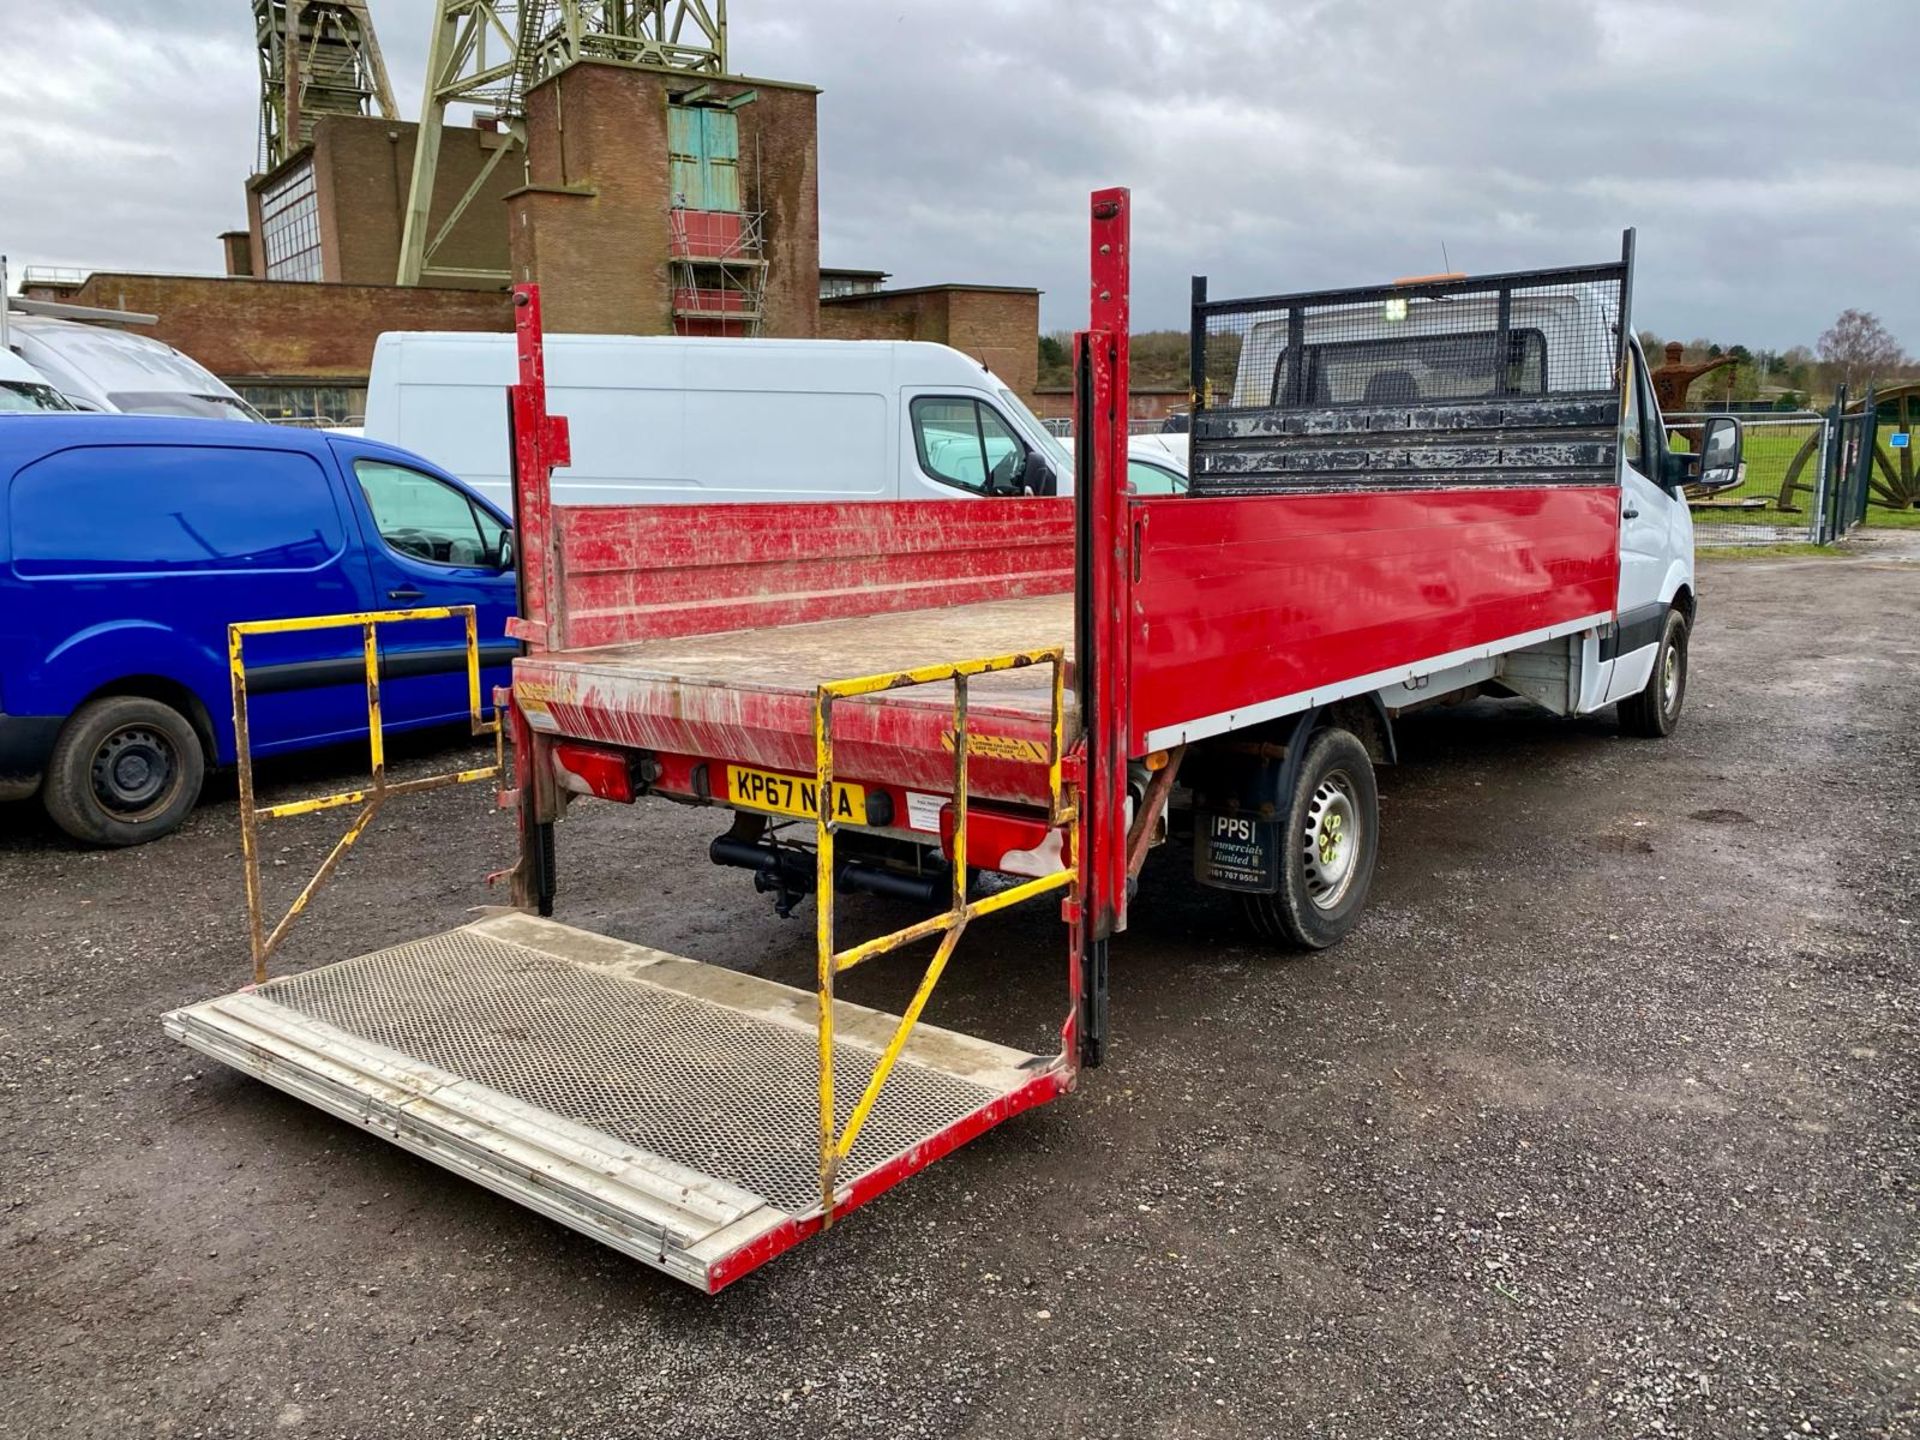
(1457, 381)
(1408, 369)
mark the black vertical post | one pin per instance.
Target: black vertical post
(1196, 364)
(1626, 302)
(1503, 342)
(1092, 957)
(1835, 467)
(1869, 443)
(1296, 357)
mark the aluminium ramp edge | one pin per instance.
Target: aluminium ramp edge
(666, 1108)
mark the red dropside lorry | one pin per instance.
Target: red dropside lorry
(1398, 494)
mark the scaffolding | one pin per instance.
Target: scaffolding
(719, 271)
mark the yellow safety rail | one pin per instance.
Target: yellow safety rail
(836, 1143)
(373, 796)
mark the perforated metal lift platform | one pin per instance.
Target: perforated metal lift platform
(662, 1106)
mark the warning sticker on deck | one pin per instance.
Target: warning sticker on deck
(1001, 747)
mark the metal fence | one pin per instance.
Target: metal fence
(1855, 436)
(1781, 497)
(1062, 428)
(1804, 477)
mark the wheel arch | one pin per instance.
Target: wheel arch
(1366, 716)
(172, 693)
(139, 657)
(1280, 745)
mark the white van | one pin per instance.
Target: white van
(1154, 467)
(683, 420)
(25, 389)
(99, 368)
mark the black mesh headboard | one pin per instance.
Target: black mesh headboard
(1492, 380)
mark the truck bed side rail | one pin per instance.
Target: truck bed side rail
(1498, 380)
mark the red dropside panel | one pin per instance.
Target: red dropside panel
(639, 572)
(1245, 601)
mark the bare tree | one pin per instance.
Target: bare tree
(1857, 349)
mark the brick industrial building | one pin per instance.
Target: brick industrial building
(651, 201)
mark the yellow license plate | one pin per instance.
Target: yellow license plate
(793, 795)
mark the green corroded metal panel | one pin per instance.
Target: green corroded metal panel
(704, 146)
(722, 134)
(686, 150)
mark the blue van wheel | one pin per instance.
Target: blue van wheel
(133, 770)
(124, 770)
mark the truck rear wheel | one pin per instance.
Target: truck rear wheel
(124, 770)
(1332, 838)
(1655, 711)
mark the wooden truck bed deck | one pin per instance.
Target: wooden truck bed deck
(797, 658)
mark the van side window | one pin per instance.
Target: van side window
(963, 442)
(1654, 446)
(427, 518)
(155, 509)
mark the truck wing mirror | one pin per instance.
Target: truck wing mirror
(1719, 454)
(505, 561)
(1039, 476)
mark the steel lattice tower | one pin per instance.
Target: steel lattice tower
(489, 53)
(317, 57)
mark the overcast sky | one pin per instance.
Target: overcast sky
(1763, 147)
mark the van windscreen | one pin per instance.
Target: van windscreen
(26, 395)
(183, 402)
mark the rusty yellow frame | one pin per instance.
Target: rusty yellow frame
(372, 796)
(836, 1142)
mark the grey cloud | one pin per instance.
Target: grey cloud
(1758, 147)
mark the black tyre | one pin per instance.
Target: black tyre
(1655, 711)
(124, 770)
(1333, 838)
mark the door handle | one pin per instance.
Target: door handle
(406, 592)
(1627, 514)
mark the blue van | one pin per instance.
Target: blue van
(127, 545)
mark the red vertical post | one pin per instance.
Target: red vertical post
(540, 442)
(1110, 555)
(1103, 580)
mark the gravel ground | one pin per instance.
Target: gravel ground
(1606, 1122)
